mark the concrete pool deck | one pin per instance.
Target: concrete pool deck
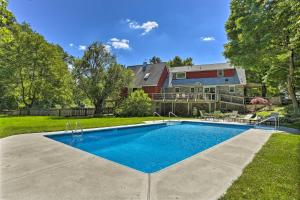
(35, 167)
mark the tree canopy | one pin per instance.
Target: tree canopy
(33, 72)
(155, 60)
(99, 76)
(37, 74)
(178, 61)
(264, 37)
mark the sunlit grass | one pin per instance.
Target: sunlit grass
(273, 174)
(33, 124)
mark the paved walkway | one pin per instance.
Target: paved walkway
(34, 167)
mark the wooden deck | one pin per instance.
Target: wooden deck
(198, 97)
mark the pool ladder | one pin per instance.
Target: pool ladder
(76, 131)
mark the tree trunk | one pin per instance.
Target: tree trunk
(290, 82)
(263, 90)
(98, 107)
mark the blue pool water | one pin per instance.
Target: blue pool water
(150, 148)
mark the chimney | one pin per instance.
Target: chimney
(144, 66)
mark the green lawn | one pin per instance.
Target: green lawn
(273, 174)
(32, 124)
(283, 111)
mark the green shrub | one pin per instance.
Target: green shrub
(137, 104)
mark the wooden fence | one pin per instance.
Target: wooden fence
(68, 112)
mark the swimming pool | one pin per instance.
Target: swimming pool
(150, 148)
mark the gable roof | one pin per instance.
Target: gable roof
(206, 67)
(154, 71)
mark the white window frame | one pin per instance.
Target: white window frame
(208, 95)
(222, 73)
(231, 86)
(178, 89)
(191, 90)
(209, 89)
(180, 73)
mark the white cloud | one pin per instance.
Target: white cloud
(107, 48)
(207, 39)
(82, 47)
(71, 44)
(114, 39)
(147, 26)
(119, 43)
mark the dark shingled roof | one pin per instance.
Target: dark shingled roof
(155, 71)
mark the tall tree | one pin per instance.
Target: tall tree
(178, 61)
(34, 71)
(7, 20)
(264, 36)
(155, 60)
(175, 62)
(99, 76)
(188, 61)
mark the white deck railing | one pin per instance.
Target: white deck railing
(198, 96)
(181, 96)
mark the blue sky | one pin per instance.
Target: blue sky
(133, 30)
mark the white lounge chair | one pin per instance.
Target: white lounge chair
(233, 116)
(203, 116)
(249, 118)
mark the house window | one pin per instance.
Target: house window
(177, 90)
(210, 96)
(174, 76)
(209, 90)
(213, 97)
(180, 75)
(232, 89)
(192, 90)
(220, 73)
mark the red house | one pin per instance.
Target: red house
(204, 87)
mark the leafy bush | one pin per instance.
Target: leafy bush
(137, 104)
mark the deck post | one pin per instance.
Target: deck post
(209, 107)
(174, 107)
(188, 108)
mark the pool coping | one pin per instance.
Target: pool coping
(150, 184)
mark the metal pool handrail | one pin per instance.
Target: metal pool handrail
(156, 113)
(276, 124)
(172, 114)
